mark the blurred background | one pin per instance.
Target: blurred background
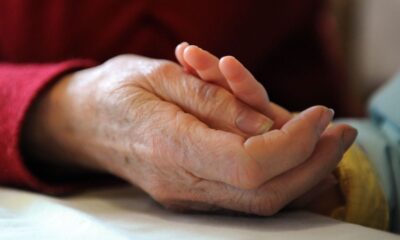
(371, 42)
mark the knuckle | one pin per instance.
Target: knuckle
(270, 208)
(206, 91)
(261, 208)
(304, 148)
(248, 175)
(164, 67)
(160, 72)
(270, 205)
(276, 202)
(215, 100)
(175, 201)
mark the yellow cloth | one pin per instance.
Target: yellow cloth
(365, 201)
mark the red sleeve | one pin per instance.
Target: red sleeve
(19, 85)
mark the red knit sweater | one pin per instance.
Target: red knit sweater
(286, 43)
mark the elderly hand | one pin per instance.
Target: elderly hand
(230, 74)
(144, 120)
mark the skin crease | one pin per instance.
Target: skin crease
(230, 74)
(144, 120)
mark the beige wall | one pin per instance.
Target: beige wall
(373, 41)
(377, 45)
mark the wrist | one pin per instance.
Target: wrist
(46, 139)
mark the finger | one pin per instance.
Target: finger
(327, 201)
(325, 184)
(277, 193)
(279, 115)
(208, 67)
(244, 85)
(247, 88)
(278, 151)
(289, 186)
(180, 48)
(210, 103)
(205, 64)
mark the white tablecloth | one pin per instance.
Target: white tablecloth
(127, 213)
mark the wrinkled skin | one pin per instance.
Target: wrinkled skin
(144, 120)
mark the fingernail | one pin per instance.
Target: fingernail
(326, 119)
(199, 48)
(332, 111)
(348, 136)
(252, 122)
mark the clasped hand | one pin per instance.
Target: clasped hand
(189, 143)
